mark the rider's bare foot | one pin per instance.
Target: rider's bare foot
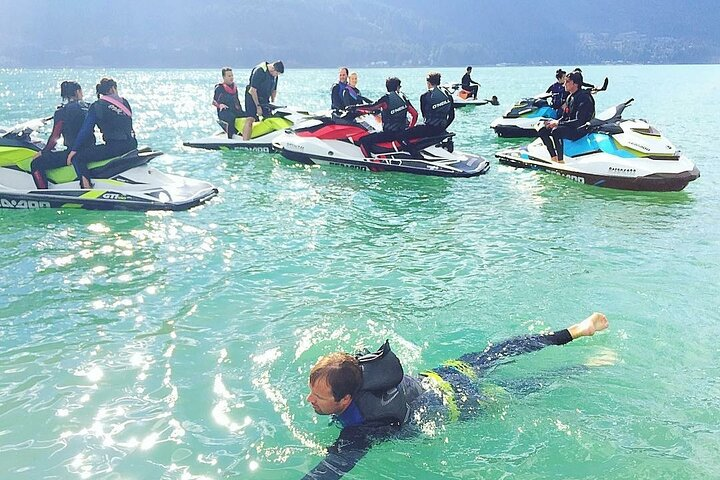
(594, 323)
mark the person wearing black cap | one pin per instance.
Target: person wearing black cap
(580, 109)
(557, 89)
(260, 91)
(468, 84)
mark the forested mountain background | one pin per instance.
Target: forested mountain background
(325, 33)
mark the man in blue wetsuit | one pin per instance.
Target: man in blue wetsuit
(573, 124)
(337, 90)
(372, 399)
(260, 91)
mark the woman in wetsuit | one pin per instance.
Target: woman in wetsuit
(113, 116)
(351, 94)
(68, 119)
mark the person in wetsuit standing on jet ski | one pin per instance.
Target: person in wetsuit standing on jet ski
(371, 398)
(113, 116)
(67, 121)
(394, 107)
(573, 124)
(227, 101)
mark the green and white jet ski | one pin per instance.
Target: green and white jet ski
(126, 182)
(263, 133)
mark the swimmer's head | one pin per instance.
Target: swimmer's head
(333, 381)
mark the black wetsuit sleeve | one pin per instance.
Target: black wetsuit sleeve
(336, 101)
(381, 104)
(583, 112)
(342, 456)
(451, 116)
(424, 100)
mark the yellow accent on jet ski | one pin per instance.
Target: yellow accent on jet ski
(61, 174)
(12, 155)
(92, 194)
(447, 392)
(264, 127)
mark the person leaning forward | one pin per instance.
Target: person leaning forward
(260, 91)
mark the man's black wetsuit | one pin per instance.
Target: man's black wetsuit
(228, 95)
(572, 125)
(67, 121)
(265, 84)
(469, 85)
(337, 101)
(113, 116)
(394, 107)
(438, 113)
(453, 389)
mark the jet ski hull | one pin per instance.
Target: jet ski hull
(311, 151)
(605, 173)
(130, 190)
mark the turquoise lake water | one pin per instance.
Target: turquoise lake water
(177, 345)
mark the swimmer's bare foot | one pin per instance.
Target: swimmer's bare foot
(594, 323)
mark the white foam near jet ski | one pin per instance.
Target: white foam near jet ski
(617, 153)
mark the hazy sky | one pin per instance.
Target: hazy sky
(195, 33)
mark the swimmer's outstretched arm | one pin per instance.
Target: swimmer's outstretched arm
(348, 449)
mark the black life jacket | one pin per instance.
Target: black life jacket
(438, 107)
(386, 392)
(228, 96)
(394, 117)
(114, 124)
(73, 114)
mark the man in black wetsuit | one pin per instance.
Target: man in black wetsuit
(260, 91)
(468, 84)
(227, 101)
(572, 125)
(437, 110)
(394, 107)
(67, 121)
(337, 90)
(372, 399)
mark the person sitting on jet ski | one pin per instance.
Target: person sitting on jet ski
(372, 399)
(260, 91)
(227, 101)
(573, 124)
(394, 107)
(351, 95)
(338, 89)
(437, 110)
(113, 116)
(468, 84)
(557, 89)
(67, 121)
